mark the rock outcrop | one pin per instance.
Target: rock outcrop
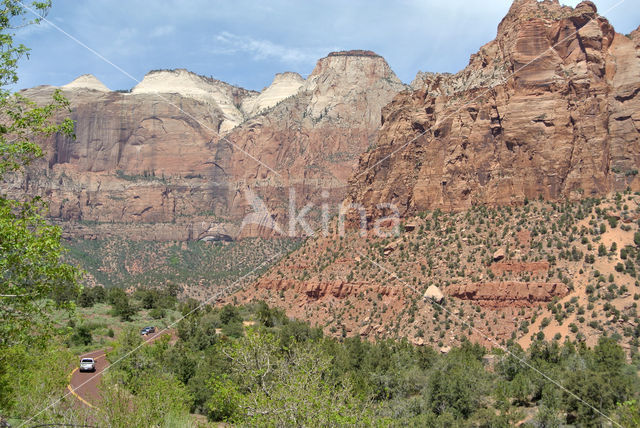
(508, 294)
(433, 293)
(87, 81)
(284, 85)
(635, 36)
(213, 93)
(185, 151)
(309, 142)
(315, 290)
(135, 159)
(549, 108)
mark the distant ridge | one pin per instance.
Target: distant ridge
(87, 81)
(355, 52)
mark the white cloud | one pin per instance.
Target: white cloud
(161, 31)
(227, 43)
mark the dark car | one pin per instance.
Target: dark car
(147, 330)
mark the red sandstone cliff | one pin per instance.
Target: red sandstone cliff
(550, 107)
(180, 150)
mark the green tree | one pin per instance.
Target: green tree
(115, 294)
(33, 378)
(158, 400)
(458, 386)
(81, 335)
(233, 329)
(86, 299)
(157, 313)
(224, 404)
(605, 382)
(124, 309)
(149, 299)
(609, 356)
(628, 414)
(120, 304)
(287, 388)
(33, 278)
(267, 316)
(521, 388)
(98, 293)
(229, 314)
(602, 250)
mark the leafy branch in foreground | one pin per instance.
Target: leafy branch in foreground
(33, 278)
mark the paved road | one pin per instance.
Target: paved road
(84, 385)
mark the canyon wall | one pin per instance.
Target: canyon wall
(185, 155)
(549, 108)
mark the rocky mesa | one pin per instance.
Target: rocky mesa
(549, 108)
(187, 154)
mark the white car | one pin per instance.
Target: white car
(87, 365)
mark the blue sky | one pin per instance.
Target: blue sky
(247, 42)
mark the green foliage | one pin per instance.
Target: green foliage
(269, 317)
(602, 250)
(122, 306)
(225, 401)
(628, 414)
(157, 313)
(158, 398)
(288, 388)
(230, 314)
(286, 373)
(604, 382)
(458, 385)
(31, 379)
(81, 335)
(164, 267)
(157, 298)
(609, 356)
(90, 296)
(33, 280)
(86, 299)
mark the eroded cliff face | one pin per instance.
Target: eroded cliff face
(284, 85)
(215, 94)
(184, 152)
(309, 143)
(136, 159)
(635, 36)
(549, 108)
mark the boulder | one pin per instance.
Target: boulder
(498, 255)
(390, 248)
(365, 330)
(418, 341)
(434, 293)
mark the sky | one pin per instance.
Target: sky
(246, 43)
